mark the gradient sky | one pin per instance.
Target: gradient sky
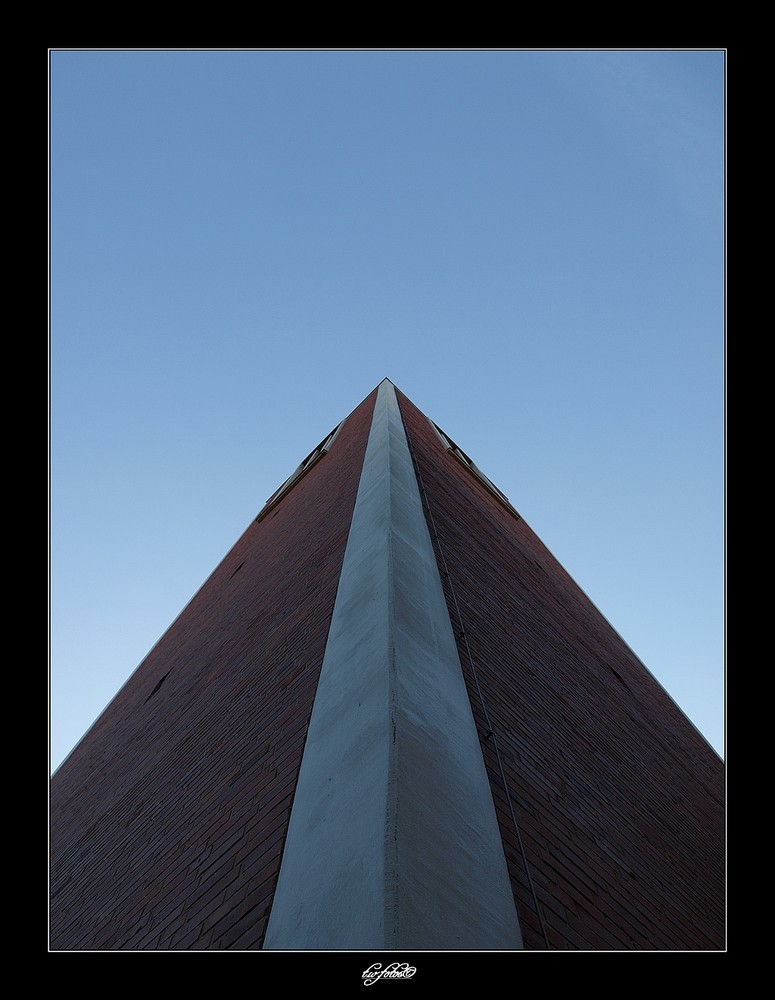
(529, 244)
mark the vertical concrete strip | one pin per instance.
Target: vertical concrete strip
(393, 840)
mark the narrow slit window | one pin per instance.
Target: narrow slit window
(474, 469)
(314, 456)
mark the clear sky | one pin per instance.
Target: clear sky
(244, 243)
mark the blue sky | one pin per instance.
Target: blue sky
(244, 243)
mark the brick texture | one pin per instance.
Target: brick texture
(618, 798)
(169, 818)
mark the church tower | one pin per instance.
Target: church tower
(389, 720)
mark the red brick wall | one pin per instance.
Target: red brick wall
(169, 818)
(619, 799)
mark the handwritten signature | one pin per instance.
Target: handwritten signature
(396, 970)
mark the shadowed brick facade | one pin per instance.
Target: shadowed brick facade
(618, 797)
(170, 817)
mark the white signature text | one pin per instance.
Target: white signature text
(396, 970)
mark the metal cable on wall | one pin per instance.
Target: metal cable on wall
(490, 731)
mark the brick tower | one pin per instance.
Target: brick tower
(389, 719)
